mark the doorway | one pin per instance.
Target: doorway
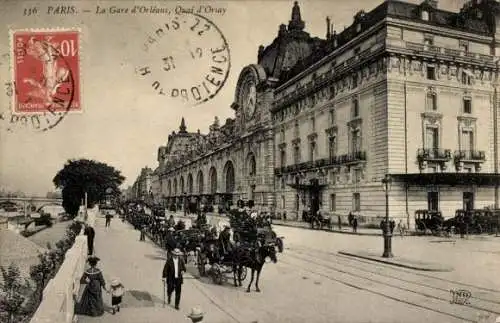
(314, 196)
(468, 200)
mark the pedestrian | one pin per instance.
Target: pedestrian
(143, 231)
(117, 291)
(401, 228)
(172, 276)
(355, 224)
(171, 244)
(108, 219)
(196, 315)
(91, 303)
(90, 233)
(340, 222)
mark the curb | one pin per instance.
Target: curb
(332, 231)
(424, 267)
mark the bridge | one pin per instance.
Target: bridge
(38, 202)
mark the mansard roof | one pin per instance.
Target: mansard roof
(475, 17)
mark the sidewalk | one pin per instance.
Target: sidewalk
(139, 265)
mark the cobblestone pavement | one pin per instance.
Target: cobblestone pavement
(313, 283)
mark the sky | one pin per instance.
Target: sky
(123, 120)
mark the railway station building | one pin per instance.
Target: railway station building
(407, 90)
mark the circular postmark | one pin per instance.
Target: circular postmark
(43, 87)
(187, 59)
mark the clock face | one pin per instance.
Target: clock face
(249, 98)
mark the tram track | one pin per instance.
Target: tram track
(387, 288)
(350, 262)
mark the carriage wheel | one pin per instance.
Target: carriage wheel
(217, 276)
(279, 244)
(201, 265)
(244, 273)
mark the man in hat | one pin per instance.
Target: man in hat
(171, 244)
(172, 275)
(225, 240)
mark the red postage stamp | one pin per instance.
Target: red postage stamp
(46, 71)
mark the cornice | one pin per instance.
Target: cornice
(438, 30)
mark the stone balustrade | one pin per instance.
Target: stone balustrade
(60, 294)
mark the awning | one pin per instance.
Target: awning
(307, 186)
(451, 179)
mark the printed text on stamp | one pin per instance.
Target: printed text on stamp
(189, 59)
(46, 78)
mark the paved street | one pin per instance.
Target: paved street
(313, 283)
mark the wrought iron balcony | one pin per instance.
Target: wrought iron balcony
(346, 159)
(470, 156)
(434, 154)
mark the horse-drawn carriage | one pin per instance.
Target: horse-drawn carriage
(474, 221)
(252, 245)
(428, 220)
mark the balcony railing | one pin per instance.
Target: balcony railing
(442, 50)
(470, 156)
(346, 159)
(434, 154)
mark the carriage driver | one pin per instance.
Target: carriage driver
(225, 240)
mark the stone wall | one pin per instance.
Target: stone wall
(61, 292)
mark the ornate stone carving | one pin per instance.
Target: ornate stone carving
(453, 72)
(394, 64)
(416, 66)
(432, 117)
(443, 70)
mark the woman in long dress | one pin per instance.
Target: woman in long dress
(91, 303)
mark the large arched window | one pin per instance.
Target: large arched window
(213, 180)
(229, 177)
(190, 184)
(200, 182)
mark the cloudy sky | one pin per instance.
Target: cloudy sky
(124, 120)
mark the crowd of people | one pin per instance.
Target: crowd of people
(244, 220)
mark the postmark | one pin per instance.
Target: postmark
(45, 85)
(188, 59)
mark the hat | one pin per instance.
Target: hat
(93, 258)
(171, 229)
(115, 282)
(196, 313)
(177, 252)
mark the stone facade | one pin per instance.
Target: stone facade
(407, 90)
(142, 189)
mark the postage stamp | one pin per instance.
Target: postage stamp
(188, 59)
(45, 67)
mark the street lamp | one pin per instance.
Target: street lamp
(386, 184)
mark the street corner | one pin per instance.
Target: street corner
(398, 261)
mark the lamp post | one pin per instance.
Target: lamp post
(386, 184)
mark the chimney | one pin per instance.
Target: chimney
(328, 34)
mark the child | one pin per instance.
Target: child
(117, 290)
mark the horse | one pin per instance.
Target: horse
(253, 258)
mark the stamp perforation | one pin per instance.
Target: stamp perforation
(13, 32)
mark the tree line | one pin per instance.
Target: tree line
(84, 176)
